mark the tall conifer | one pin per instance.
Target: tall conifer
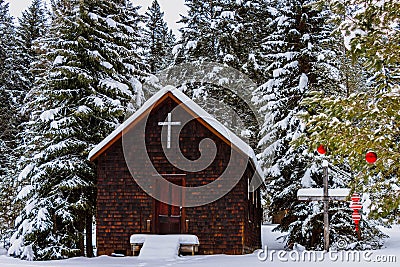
(159, 40)
(90, 73)
(300, 57)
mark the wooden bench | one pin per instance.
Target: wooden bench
(184, 248)
(189, 248)
(136, 248)
(188, 244)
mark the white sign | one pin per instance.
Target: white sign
(314, 194)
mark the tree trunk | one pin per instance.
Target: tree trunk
(89, 240)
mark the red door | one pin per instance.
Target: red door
(169, 217)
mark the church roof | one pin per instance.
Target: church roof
(201, 113)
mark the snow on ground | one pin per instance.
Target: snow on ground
(392, 248)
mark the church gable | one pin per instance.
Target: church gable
(193, 109)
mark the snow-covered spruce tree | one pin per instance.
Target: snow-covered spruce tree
(170, 42)
(31, 25)
(198, 34)
(10, 92)
(368, 117)
(299, 58)
(159, 41)
(15, 68)
(8, 110)
(225, 32)
(371, 30)
(367, 121)
(90, 73)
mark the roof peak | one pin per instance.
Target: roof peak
(199, 111)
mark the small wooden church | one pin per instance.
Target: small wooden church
(229, 225)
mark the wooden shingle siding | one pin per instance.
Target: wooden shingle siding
(123, 208)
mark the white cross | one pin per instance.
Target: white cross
(169, 123)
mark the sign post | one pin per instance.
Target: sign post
(326, 206)
(322, 151)
(325, 195)
(319, 194)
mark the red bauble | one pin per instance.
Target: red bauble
(371, 157)
(321, 150)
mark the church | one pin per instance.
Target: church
(171, 168)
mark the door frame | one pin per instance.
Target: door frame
(155, 223)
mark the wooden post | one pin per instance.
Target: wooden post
(325, 195)
(326, 206)
(148, 226)
(187, 226)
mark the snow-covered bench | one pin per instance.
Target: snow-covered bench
(188, 243)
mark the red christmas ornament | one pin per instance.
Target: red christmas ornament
(371, 157)
(321, 150)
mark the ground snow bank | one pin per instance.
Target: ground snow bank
(392, 247)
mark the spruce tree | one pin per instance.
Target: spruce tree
(31, 26)
(10, 92)
(368, 117)
(170, 42)
(367, 121)
(7, 160)
(226, 33)
(299, 58)
(15, 83)
(371, 31)
(159, 40)
(7, 31)
(90, 72)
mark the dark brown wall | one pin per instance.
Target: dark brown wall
(222, 226)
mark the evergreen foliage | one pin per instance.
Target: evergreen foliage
(367, 118)
(32, 26)
(228, 32)
(159, 40)
(90, 73)
(362, 120)
(9, 94)
(371, 30)
(300, 56)
(67, 80)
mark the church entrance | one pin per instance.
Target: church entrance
(169, 218)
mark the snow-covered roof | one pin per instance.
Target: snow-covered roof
(197, 110)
